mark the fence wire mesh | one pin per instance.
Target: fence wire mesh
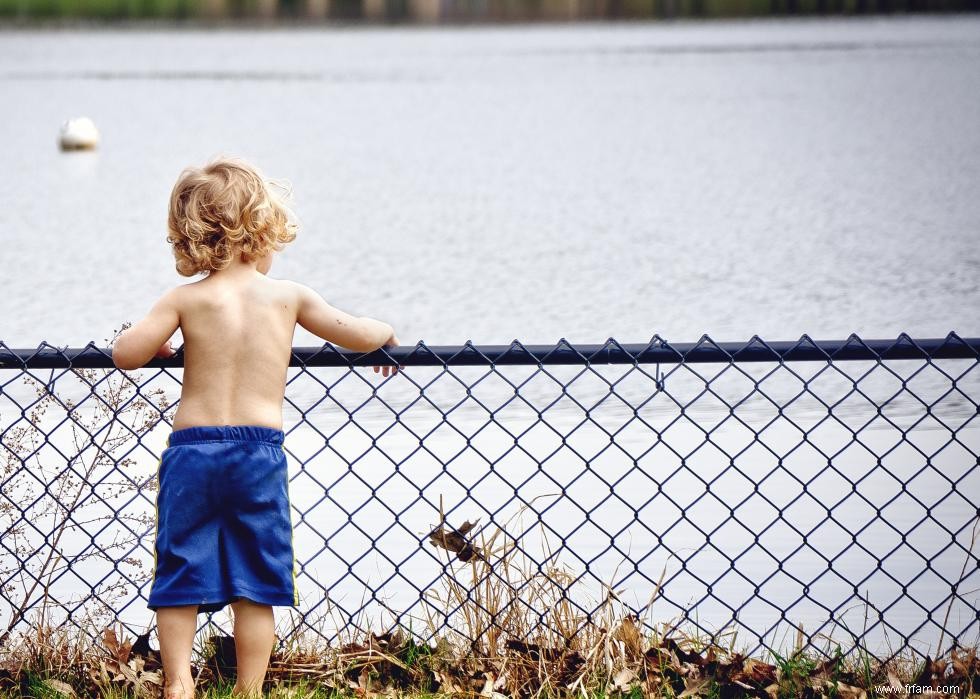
(828, 489)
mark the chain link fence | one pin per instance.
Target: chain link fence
(758, 491)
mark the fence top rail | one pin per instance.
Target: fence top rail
(656, 351)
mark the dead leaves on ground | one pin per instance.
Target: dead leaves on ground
(139, 672)
(962, 669)
(394, 664)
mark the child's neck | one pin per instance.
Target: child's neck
(237, 268)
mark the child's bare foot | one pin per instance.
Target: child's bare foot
(178, 691)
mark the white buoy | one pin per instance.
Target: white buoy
(78, 134)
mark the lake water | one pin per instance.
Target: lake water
(772, 177)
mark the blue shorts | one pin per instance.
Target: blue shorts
(223, 526)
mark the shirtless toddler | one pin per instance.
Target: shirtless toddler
(223, 523)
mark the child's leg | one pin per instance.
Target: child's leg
(176, 627)
(255, 635)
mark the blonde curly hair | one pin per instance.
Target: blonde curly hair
(222, 210)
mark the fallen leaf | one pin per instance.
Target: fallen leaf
(623, 680)
(152, 678)
(110, 641)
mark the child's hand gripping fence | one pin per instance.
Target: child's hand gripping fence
(508, 493)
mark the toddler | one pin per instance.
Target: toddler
(223, 532)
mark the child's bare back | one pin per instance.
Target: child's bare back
(223, 518)
(238, 332)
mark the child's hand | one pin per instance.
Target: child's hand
(386, 369)
(166, 351)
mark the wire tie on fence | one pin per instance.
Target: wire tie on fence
(658, 379)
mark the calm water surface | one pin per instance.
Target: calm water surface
(729, 178)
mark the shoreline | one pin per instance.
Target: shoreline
(111, 21)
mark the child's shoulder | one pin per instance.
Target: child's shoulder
(194, 293)
(182, 292)
(180, 296)
(295, 290)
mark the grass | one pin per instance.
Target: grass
(39, 687)
(384, 665)
(623, 661)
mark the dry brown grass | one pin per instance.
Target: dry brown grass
(499, 628)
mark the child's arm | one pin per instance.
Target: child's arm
(360, 334)
(150, 337)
